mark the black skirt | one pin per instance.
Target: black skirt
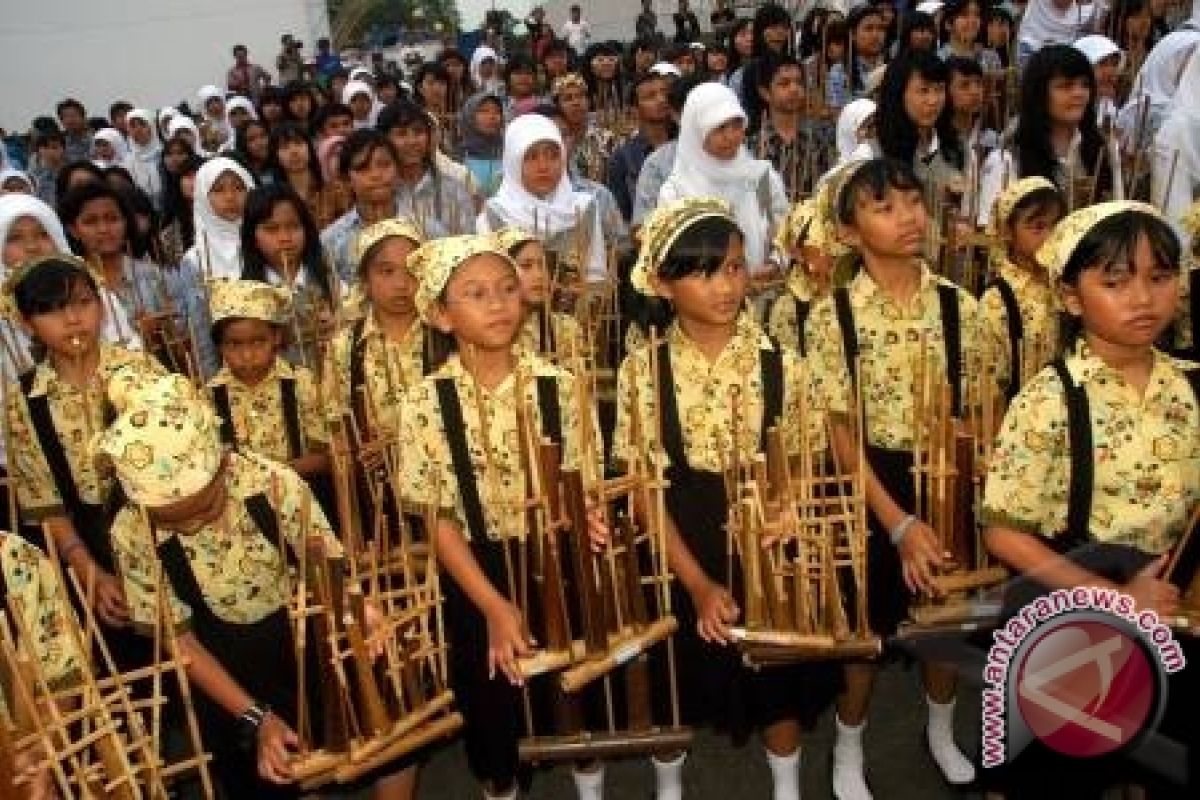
(888, 598)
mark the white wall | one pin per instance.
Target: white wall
(616, 19)
(151, 52)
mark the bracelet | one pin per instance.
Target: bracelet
(898, 533)
(254, 715)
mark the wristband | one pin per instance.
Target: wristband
(901, 530)
(248, 724)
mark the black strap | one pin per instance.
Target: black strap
(1079, 440)
(545, 332)
(1194, 303)
(770, 364)
(845, 320)
(549, 409)
(220, 395)
(952, 340)
(358, 373)
(291, 416)
(803, 309)
(1016, 333)
(51, 445)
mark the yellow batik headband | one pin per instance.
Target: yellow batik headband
(239, 299)
(1057, 250)
(1010, 198)
(1190, 221)
(374, 234)
(797, 225)
(164, 445)
(571, 79)
(17, 275)
(662, 229)
(509, 238)
(435, 261)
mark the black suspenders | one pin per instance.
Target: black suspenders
(1016, 333)
(291, 416)
(358, 372)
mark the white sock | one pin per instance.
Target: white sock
(668, 778)
(849, 779)
(590, 785)
(785, 773)
(955, 766)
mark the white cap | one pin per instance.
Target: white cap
(666, 68)
(1096, 48)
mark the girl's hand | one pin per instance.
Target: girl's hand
(921, 557)
(276, 741)
(599, 534)
(508, 641)
(715, 612)
(1151, 592)
(376, 628)
(109, 600)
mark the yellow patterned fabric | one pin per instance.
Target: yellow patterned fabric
(18, 273)
(1013, 194)
(164, 445)
(889, 342)
(564, 82)
(1039, 320)
(258, 418)
(434, 262)
(389, 369)
(783, 320)
(703, 395)
(45, 612)
(238, 299)
(1146, 467)
(796, 226)
(384, 229)
(243, 576)
(567, 334)
(1190, 221)
(427, 474)
(1056, 251)
(78, 415)
(663, 227)
(510, 237)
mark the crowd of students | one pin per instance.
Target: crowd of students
(193, 297)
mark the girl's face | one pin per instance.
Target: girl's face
(300, 105)
(891, 227)
(292, 156)
(920, 39)
(74, 329)
(718, 62)
(725, 140)
(1137, 27)
(1125, 306)
(869, 36)
(966, 93)
(215, 108)
(228, 197)
(817, 263)
(1068, 99)
(711, 300)
(481, 305)
(1027, 233)
(574, 104)
(542, 168)
(412, 144)
(387, 93)
(272, 112)
(924, 101)
(455, 69)
(997, 33)
(965, 27)
(100, 228)
(522, 83)
(360, 105)
(374, 180)
(433, 89)
(1106, 75)
(104, 150)
(389, 285)
(280, 237)
(643, 60)
(776, 37)
(258, 144)
(238, 117)
(248, 348)
(533, 274)
(487, 69)
(605, 67)
(743, 42)
(834, 51)
(489, 119)
(26, 241)
(139, 131)
(686, 64)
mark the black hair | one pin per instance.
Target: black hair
(46, 138)
(897, 134)
(916, 21)
(62, 180)
(1111, 242)
(600, 94)
(360, 146)
(680, 89)
(437, 70)
(70, 102)
(142, 244)
(220, 326)
(1031, 139)
(177, 208)
(873, 179)
(48, 286)
(118, 107)
(961, 65)
(956, 8)
(558, 45)
(519, 63)
(321, 116)
(770, 15)
(270, 95)
(402, 114)
(44, 124)
(770, 67)
(71, 205)
(291, 92)
(736, 59)
(260, 205)
(242, 152)
(856, 18)
(286, 133)
(117, 176)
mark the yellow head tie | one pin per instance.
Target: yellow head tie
(662, 229)
(239, 299)
(435, 261)
(509, 238)
(1190, 221)
(1057, 250)
(17, 275)
(571, 79)
(374, 234)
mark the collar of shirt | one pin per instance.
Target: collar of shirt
(1022, 280)
(927, 154)
(1086, 367)
(527, 366)
(46, 381)
(741, 350)
(280, 369)
(864, 291)
(371, 328)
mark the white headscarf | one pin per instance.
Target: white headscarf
(696, 173)
(1096, 48)
(117, 141)
(1043, 24)
(239, 102)
(852, 118)
(482, 53)
(1179, 134)
(353, 88)
(143, 161)
(183, 123)
(1156, 81)
(147, 152)
(558, 212)
(218, 241)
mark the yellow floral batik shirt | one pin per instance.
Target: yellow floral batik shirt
(783, 320)
(78, 414)
(389, 369)
(890, 337)
(242, 576)
(257, 411)
(490, 418)
(1039, 322)
(567, 336)
(1146, 455)
(38, 596)
(704, 395)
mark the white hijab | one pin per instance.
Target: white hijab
(117, 142)
(1043, 24)
(218, 241)
(1157, 81)
(561, 209)
(181, 123)
(1180, 133)
(696, 173)
(353, 88)
(850, 121)
(146, 152)
(143, 161)
(482, 53)
(239, 102)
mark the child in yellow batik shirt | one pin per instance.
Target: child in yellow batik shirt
(460, 434)
(1020, 319)
(1096, 469)
(813, 249)
(868, 338)
(551, 334)
(692, 256)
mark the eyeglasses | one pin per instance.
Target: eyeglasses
(482, 296)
